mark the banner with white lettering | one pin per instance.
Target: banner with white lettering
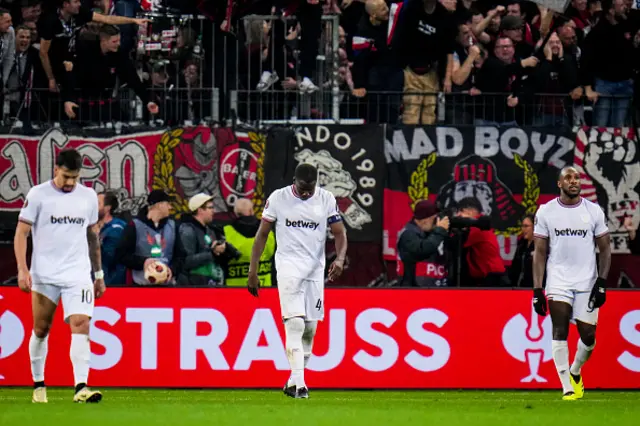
(350, 164)
(183, 161)
(371, 339)
(510, 171)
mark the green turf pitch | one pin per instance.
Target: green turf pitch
(122, 407)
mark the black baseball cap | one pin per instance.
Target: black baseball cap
(425, 209)
(158, 196)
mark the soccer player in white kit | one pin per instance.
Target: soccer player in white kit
(301, 214)
(61, 217)
(568, 229)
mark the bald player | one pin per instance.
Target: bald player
(567, 229)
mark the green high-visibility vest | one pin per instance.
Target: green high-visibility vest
(239, 268)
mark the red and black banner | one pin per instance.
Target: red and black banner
(510, 171)
(350, 163)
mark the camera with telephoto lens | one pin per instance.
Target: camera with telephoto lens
(458, 222)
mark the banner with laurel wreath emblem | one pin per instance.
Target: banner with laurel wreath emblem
(510, 171)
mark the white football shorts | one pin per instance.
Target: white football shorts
(579, 301)
(301, 298)
(76, 299)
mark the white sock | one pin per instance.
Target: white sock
(560, 351)
(294, 328)
(307, 339)
(38, 349)
(582, 355)
(80, 355)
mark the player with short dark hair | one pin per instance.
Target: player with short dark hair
(568, 229)
(301, 213)
(62, 217)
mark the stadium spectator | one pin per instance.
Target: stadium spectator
(424, 43)
(422, 257)
(58, 31)
(487, 29)
(530, 34)
(608, 63)
(634, 241)
(149, 237)
(20, 79)
(467, 60)
(521, 269)
(497, 75)
(241, 234)
(30, 11)
(374, 67)
(111, 231)
(556, 75)
(203, 249)
(7, 45)
(513, 27)
(91, 79)
(482, 263)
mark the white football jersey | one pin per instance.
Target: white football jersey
(59, 231)
(301, 230)
(571, 231)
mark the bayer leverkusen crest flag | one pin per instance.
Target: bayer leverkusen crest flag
(510, 171)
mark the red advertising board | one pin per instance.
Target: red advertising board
(378, 338)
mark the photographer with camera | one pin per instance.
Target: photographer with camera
(203, 251)
(480, 262)
(422, 257)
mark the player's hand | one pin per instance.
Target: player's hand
(443, 222)
(68, 109)
(336, 268)
(253, 284)
(99, 288)
(598, 294)
(24, 280)
(539, 302)
(140, 21)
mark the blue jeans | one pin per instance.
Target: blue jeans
(613, 104)
(128, 32)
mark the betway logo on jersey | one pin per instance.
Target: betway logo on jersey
(302, 224)
(571, 232)
(67, 220)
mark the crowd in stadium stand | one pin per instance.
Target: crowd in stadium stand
(482, 55)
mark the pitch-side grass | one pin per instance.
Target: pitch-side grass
(123, 407)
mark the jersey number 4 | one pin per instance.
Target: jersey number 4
(87, 296)
(319, 305)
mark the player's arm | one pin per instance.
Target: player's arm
(93, 239)
(604, 259)
(256, 252)
(27, 217)
(20, 244)
(541, 246)
(340, 235)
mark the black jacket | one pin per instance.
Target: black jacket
(370, 49)
(94, 74)
(608, 53)
(195, 241)
(416, 246)
(521, 270)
